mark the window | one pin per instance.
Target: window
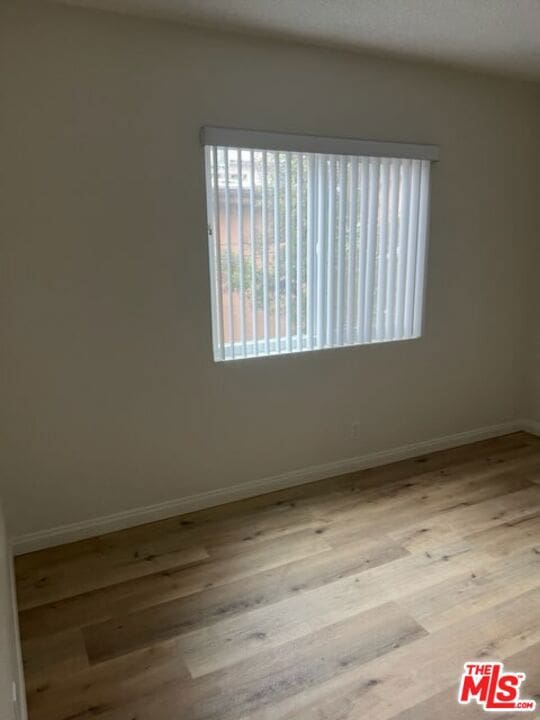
(314, 242)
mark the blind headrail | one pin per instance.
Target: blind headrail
(261, 140)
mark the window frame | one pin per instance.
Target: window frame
(256, 141)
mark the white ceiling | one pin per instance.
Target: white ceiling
(501, 36)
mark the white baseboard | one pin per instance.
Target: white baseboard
(531, 426)
(170, 508)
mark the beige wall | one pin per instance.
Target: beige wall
(532, 333)
(534, 400)
(110, 397)
(535, 363)
(530, 290)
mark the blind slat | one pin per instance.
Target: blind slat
(240, 223)
(299, 250)
(321, 246)
(403, 221)
(341, 249)
(382, 250)
(288, 344)
(277, 314)
(330, 265)
(264, 223)
(351, 276)
(229, 252)
(310, 251)
(254, 334)
(362, 265)
(373, 210)
(411, 247)
(214, 248)
(421, 251)
(389, 327)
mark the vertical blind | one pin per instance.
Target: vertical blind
(313, 250)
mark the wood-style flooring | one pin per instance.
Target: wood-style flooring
(358, 597)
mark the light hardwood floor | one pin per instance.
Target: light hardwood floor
(358, 597)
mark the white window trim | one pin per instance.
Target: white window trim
(263, 140)
(254, 141)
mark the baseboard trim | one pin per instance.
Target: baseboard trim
(139, 516)
(531, 426)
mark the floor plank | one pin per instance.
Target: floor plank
(226, 642)
(444, 704)
(133, 629)
(384, 687)
(49, 658)
(490, 584)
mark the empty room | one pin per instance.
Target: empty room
(270, 359)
